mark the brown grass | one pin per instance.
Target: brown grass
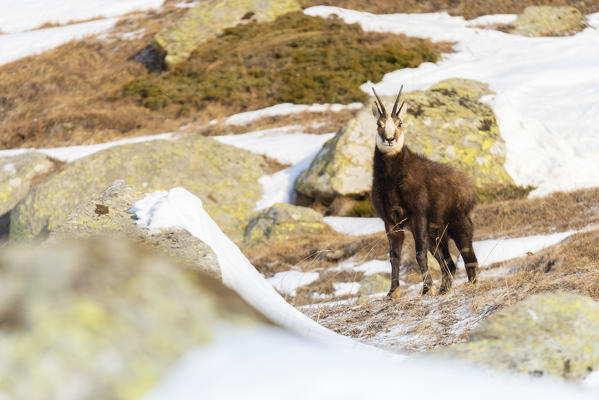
(61, 97)
(467, 8)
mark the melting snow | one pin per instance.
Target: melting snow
(287, 282)
(355, 226)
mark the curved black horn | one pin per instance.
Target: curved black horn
(380, 105)
(395, 110)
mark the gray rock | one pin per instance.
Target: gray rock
(549, 21)
(552, 333)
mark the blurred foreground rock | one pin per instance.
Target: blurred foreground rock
(108, 214)
(447, 123)
(556, 334)
(18, 174)
(210, 18)
(549, 21)
(282, 222)
(224, 177)
(102, 319)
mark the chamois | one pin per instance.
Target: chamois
(433, 200)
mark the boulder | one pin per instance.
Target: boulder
(103, 319)
(210, 18)
(553, 333)
(373, 284)
(224, 177)
(281, 222)
(108, 214)
(18, 174)
(549, 21)
(447, 123)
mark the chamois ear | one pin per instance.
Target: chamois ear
(375, 111)
(403, 110)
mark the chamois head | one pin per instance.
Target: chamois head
(389, 138)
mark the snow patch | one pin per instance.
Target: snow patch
(286, 109)
(355, 226)
(288, 144)
(22, 15)
(18, 45)
(345, 288)
(287, 282)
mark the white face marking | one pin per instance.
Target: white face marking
(386, 148)
(389, 128)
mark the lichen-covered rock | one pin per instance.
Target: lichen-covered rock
(555, 334)
(282, 222)
(18, 174)
(373, 284)
(447, 123)
(549, 21)
(103, 319)
(108, 214)
(224, 177)
(210, 18)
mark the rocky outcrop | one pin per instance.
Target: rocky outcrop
(108, 214)
(549, 21)
(210, 18)
(554, 334)
(103, 319)
(18, 174)
(447, 123)
(224, 177)
(281, 222)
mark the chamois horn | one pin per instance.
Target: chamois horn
(380, 105)
(395, 110)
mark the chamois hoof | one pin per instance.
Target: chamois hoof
(445, 286)
(393, 293)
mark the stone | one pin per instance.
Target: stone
(538, 21)
(210, 18)
(108, 214)
(373, 284)
(224, 177)
(103, 318)
(281, 222)
(446, 123)
(551, 333)
(18, 174)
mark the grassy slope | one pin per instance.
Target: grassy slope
(296, 58)
(467, 8)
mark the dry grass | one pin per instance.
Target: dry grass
(467, 8)
(61, 97)
(414, 323)
(556, 212)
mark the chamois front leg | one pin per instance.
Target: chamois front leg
(421, 239)
(395, 237)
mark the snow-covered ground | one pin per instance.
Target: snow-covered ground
(546, 89)
(287, 109)
(23, 15)
(286, 282)
(355, 226)
(22, 44)
(72, 153)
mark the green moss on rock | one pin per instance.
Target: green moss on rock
(224, 177)
(549, 21)
(281, 222)
(446, 123)
(553, 333)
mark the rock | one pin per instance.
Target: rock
(224, 177)
(447, 123)
(281, 222)
(18, 174)
(210, 18)
(103, 319)
(549, 21)
(374, 284)
(553, 333)
(108, 214)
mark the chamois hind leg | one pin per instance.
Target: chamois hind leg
(421, 239)
(395, 237)
(439, 248)
(462, 235)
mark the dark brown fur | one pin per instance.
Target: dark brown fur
(434, 201)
